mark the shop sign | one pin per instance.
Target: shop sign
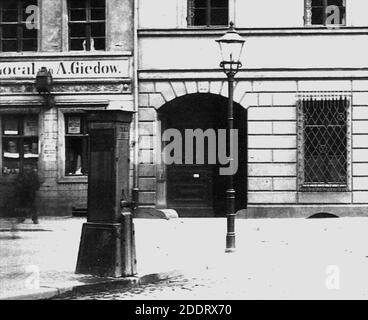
(67, 69)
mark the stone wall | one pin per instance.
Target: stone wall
(272, 138)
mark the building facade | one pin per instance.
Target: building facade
(301, 105)
(88, 47)
(301, 102)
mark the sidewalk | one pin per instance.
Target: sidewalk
(275, 258)
(38, 261)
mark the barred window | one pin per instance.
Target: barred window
(325, 12)
(87, 25)
(17, 34)
(208, 12)
(323, 143)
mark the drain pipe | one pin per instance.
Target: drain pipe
(135, 190)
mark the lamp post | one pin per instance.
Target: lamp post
(231, 47)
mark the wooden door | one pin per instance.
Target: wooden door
(199, 190)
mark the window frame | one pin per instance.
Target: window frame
(88, 23)
(302, 186)
(61, 152)
(20, 24)
(20, 137)
(308, 15)
(83, 135)
(208, 24)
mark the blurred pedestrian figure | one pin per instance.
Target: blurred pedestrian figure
(26, 185)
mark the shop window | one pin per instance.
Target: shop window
(19, 143)
(87, 25)
(16, 33)
(208, 12)
(76, 145)
(325, 12)
(323, 142)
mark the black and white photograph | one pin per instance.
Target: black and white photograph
(200, 152)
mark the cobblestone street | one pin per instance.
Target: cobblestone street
(275, 258)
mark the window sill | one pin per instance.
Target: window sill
(66, 54)
(323, 26)
(214, 27)
(247, 32)
(73, 179)
(307, 189)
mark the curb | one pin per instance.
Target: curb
(45, 293)
(24, 230)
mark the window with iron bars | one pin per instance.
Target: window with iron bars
(208, 13)
(323, 143)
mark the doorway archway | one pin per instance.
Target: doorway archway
(198, 190)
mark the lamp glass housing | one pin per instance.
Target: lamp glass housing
(43, 80)
(231, 51)
(231, 47)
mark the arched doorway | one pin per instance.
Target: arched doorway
(197, 190)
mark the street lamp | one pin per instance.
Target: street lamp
(231, 47)
(44, 83)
